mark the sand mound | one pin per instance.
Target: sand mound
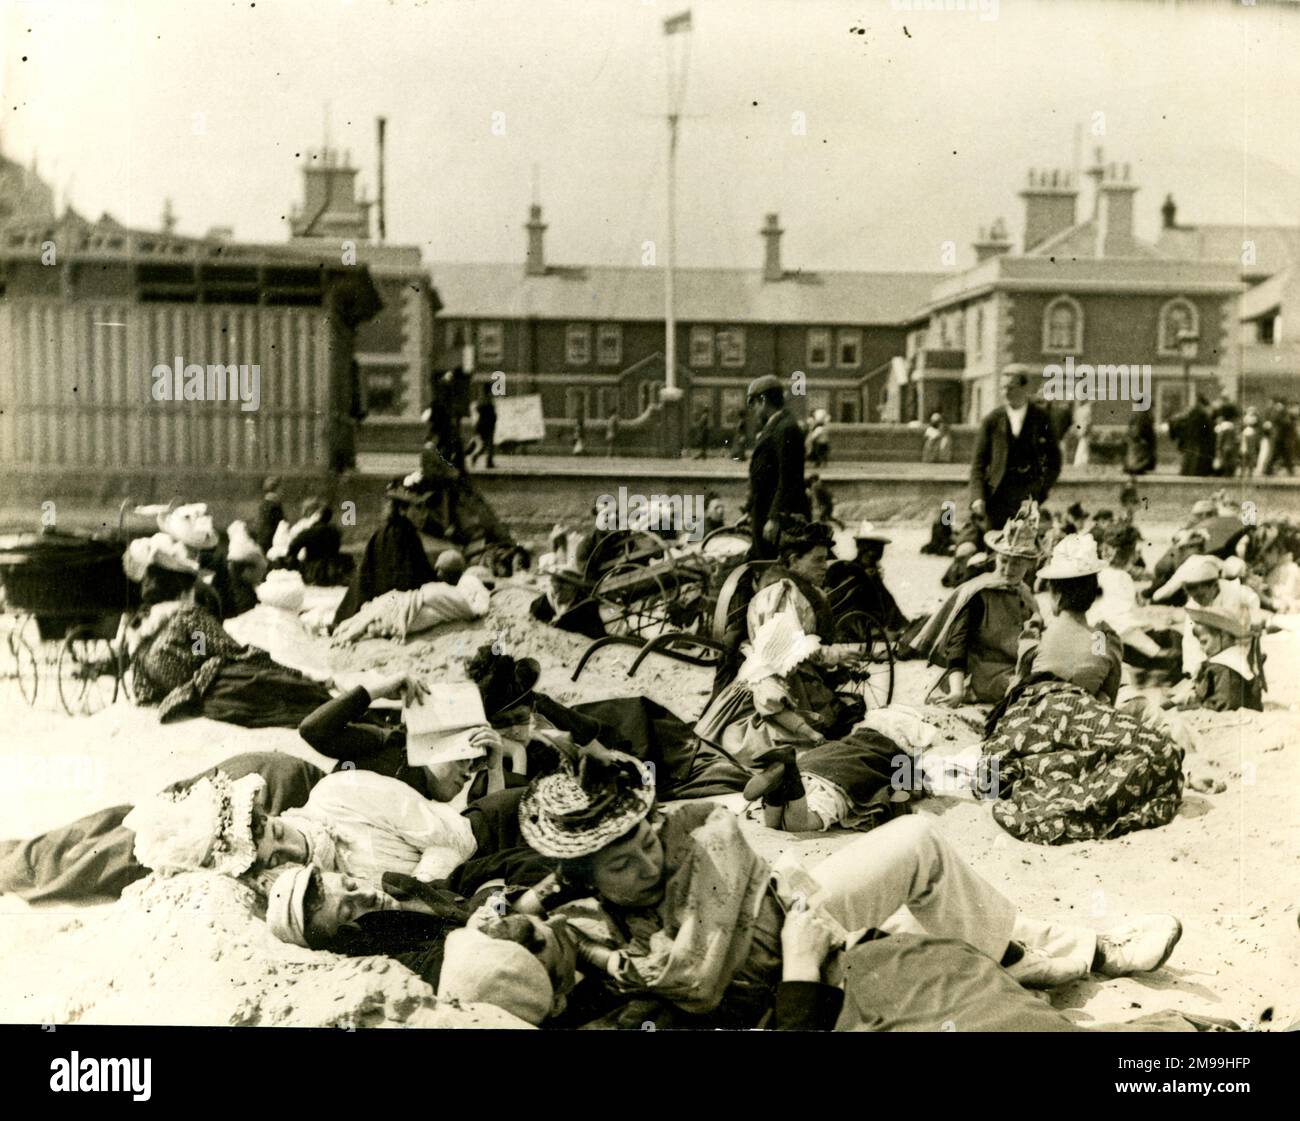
(192, 949)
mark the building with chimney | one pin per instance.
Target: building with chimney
(395, 349)
(590, 338)
(1081, 287)
(1268, 260)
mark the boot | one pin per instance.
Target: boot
(778, 783)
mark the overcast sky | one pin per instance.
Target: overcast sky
(917, 131)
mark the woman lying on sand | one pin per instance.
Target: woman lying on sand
(677, 907)
(1063, 762)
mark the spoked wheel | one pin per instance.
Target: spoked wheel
(646, 613)
(21, 665)
(873, 674)
(89, 677)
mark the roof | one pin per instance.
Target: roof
(1280, 290)
(1080, 240)
(1275, 246)
(602, 292)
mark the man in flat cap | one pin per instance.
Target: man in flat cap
(776, 482)
(1016, 455)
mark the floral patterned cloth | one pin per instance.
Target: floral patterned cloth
(1065, 766)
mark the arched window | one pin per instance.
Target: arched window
(1177, 316)
(1063, 326)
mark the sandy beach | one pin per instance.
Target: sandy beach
(189, 950)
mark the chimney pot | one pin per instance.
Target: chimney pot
(771, 234)
(535, 262)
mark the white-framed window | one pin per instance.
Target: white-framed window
(701, 346)
(848, 349)
(1063, 326)
(1177, 316)
(731, 347)
(577, 344)
(491, 343)
(819, 348)
(609, 344)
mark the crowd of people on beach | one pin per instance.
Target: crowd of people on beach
(572, 864)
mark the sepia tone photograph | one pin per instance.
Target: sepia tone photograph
(650, 515)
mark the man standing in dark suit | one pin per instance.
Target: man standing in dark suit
(1193, 432)
(776, 483)
(1016, 455)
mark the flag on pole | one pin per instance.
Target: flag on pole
(679, 22)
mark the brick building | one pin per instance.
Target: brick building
(1084, 289)
(590, 339)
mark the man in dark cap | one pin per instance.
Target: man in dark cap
(776, 482)
(1016, 454)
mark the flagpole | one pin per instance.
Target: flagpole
(671, 392)
(674, 25)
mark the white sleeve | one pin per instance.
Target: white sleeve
(443, 835)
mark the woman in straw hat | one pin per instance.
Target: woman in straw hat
(974, 635)
(677, 907)
(1063, 763)
(814, 772)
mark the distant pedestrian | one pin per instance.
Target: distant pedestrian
(1251, 435)
(740, 444)
(1140, 443)
(485, 429)
(702, 434)
(937, 447)
(1193, 432)
(1082, 429)
(820, 499)
(611, 434)
(1281, 429)
(818, 444)
(579, 436)
(1016, 453)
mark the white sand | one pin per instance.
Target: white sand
(188, 951)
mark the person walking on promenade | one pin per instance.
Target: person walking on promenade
(703, 434)
(776, 469)
(485, 429)
(1016, 453)
(1140, 443)
(1193, 432)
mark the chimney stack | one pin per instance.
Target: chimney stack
(1115, 213)
(536, 260)
(1169, 213)
(1049, 205)
(992, 243)
(772, 253)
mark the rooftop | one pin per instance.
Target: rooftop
(601, 292)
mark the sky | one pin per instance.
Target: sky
(878, 134)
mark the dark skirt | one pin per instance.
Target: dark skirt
(868, 767)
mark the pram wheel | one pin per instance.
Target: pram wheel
(89, 677)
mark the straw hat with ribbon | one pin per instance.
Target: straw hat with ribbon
(868, 532)
(1019, 537)
(1225, 619)
(1073, 556)
(578, 811)
(207, 826)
